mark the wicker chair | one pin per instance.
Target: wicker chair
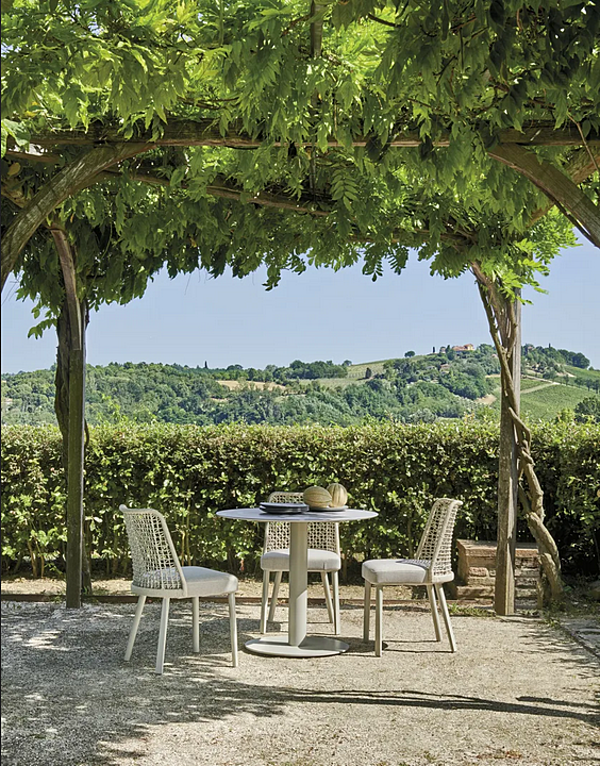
(431, 567)
(323, 556)
(158, 573)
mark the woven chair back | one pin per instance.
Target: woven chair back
(155, 561)
(436, 542)
(321, 536)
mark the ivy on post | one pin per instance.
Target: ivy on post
(504, 329)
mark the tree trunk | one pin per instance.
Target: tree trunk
(71, 380)
(503, 323)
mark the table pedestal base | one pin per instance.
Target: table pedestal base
(312, 646)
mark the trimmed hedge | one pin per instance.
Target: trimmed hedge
(190, 472)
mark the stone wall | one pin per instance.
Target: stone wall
(477, 570)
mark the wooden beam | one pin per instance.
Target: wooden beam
(556, 185)
(204, 133)
(579, 168)
(316, 31)
(71, 179)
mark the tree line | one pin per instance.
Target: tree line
(410, 389)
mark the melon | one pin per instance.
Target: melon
(339, 495)
(317, 497)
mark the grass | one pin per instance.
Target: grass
(358, 370)
(546, 403)
(339, 382)
(527, 383)
(591, 375)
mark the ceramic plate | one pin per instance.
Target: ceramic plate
(283, 508)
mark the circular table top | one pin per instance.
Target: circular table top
(255, 514)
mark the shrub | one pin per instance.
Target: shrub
(191, 472)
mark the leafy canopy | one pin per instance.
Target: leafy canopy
(443, 72)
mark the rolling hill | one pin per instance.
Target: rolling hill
(447, 384)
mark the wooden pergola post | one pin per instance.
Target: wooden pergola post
(76, 430)
(504, 597)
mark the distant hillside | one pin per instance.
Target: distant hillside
(448, 384)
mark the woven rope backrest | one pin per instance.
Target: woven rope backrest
(155, 562)
(436, 541)
(322, 536)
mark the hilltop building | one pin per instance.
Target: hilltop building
(462, 349)
(458, 349)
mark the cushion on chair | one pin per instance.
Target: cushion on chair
(208, 582)
(318, 561)
(395, 571)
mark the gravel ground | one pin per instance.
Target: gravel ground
(517, 691)
(121, 586)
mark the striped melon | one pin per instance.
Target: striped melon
(317, 497)
(339, 495)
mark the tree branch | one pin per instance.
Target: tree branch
(221, 187)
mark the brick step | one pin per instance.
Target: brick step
(467, 592)
(520, 582)
(477, 570)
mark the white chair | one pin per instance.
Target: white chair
(158, 573)
(323, 556)
(431, 567)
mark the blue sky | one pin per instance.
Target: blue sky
(320, 314)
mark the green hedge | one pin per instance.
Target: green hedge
(190, 472)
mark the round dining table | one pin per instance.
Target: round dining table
(296, 643)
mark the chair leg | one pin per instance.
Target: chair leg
(337, 628)
(162, 636)
(233, 631)
(134, 628)
(367, 610)
(196, 620)
(325, 581)
(378, 620)
(264, 601)
(434, 612)
(274, 596)
(446, 615)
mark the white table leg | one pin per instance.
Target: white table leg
(298, 583)
(296, 643)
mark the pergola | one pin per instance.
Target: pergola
(405, 144)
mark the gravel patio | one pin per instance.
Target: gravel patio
(517, 691)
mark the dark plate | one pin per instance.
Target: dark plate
(288, 508)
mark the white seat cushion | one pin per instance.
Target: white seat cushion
(201, 581)
(208, 582)
(395, 571)
(318, 561)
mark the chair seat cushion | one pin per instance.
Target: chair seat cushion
(395, 571)
(201, 581)
(318, 561)
(208, 582)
